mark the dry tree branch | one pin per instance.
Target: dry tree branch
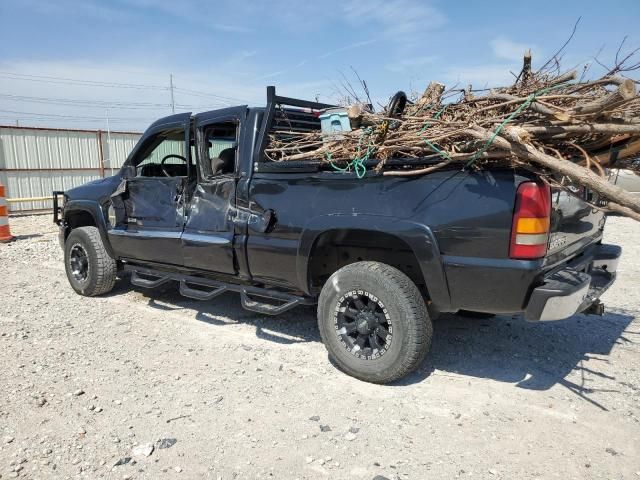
(546, 122)
(561, 49)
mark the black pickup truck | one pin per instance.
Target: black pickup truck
(197, 202)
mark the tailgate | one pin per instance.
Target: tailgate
(574, 223)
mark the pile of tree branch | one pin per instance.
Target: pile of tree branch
(549, 123)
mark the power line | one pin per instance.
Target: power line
(47, 121)
(197, 93)
(79, 117)
(75, 81)
(221, 101)
(70, 102)
(201, 108)
(93, 83)
(84, 103)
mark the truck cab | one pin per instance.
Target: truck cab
(179, 191)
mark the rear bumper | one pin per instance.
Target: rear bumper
(574, 289)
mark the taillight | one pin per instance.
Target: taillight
(530, 228)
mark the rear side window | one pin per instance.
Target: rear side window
(219, 151)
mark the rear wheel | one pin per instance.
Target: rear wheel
(90, 269)
(374, 322)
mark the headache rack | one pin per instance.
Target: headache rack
(304, 117)
(280, 119)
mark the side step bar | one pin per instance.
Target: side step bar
(136, 279)
(249, 303)
(198, 294)
(200, 288)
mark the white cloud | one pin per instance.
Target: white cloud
(509, 55)
(223, 27)
(277, 73)
(507, 49)
(399, 19)
(411, 64)
(92, 9)
(306, 90)
(481, 76)
(363, 43)
(303, 62)
(196, 12)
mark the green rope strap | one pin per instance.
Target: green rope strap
(357, 164)
(435, 117)
(427, 142)
(529, 100)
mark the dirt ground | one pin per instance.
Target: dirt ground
(90, 386)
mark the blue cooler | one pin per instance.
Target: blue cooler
(335, 120)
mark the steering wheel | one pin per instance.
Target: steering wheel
(173, 155)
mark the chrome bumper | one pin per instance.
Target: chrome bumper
(571, 290)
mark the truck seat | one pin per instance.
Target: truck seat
(225, 162)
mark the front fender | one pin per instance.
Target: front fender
(95, 210)
(419, 237)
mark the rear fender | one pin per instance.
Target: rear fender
(420, 239)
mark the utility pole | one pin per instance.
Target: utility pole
(173, 105)
(108, 156)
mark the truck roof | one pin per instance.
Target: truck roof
(273, 100)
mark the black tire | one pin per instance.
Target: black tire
(398, 303)
(99, 277)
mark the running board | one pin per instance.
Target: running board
(210, 289)
(198, 294)
(249, 303)
(137, 280)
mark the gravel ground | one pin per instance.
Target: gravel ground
(142, 384)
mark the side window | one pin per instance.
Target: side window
(163, 156)
(219, 149)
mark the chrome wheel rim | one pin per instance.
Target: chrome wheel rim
(363, 325)
(79, 263)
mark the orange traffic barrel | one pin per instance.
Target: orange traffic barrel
(5, 232)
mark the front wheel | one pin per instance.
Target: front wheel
(374, 322)
(90, 269)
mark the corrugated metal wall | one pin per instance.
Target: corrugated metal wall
(218, 146)
(36, 161)
(117, 148)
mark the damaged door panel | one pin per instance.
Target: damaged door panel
(153, 211)
(208, 237)
(149, 202)
(207, 240)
